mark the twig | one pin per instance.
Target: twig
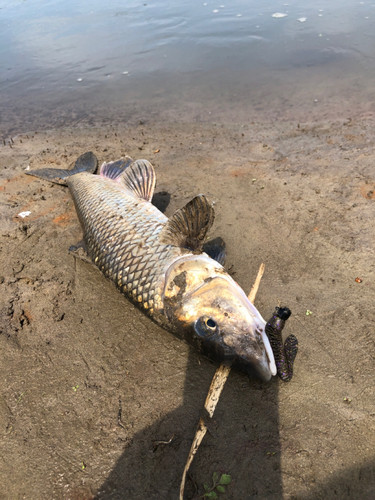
(255, 287)
(213, 396)
(119, 414)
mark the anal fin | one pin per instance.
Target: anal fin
(139, 178)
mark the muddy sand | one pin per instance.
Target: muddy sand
(90, 386)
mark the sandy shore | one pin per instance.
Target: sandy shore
(89, 384)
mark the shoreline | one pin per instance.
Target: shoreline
(76, 354)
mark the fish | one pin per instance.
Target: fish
(165, 265)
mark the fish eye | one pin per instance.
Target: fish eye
(210, 323)
(206, 327)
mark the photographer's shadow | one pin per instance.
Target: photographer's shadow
(243, 442)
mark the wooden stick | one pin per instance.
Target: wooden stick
(213, 396)
(255, 287)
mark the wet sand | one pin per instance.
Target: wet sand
(89, 384)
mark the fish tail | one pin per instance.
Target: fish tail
(85, 163)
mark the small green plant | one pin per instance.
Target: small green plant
(19, 399)
(218, 484)
(75, 388)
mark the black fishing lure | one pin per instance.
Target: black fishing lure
(286, 353)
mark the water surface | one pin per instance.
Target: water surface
(70, 63)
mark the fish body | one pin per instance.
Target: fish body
(158, 263)
(122, 234)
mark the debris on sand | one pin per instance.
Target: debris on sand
(24, 214)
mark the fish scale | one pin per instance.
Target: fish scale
(121, 236)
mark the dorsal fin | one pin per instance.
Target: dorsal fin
(114, 169)
(188, 227)
(139, 178)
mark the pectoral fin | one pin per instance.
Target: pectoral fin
(188, 227)
(79, 250)
(216, 249)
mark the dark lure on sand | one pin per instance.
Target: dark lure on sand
(159, 263)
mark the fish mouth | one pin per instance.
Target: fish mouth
(266, 366)
(262, 366)
(264, 375)
(259, 367)
(270, 358)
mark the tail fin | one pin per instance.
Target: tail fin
(85, 163)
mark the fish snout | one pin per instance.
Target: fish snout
(263, 370)
(255, 355)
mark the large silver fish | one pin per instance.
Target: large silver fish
(159, 264)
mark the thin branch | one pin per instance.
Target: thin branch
(255, 287)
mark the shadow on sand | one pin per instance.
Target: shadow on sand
(244, 442)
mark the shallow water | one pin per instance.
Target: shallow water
(69, 63)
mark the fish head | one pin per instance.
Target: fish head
(215, 315)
